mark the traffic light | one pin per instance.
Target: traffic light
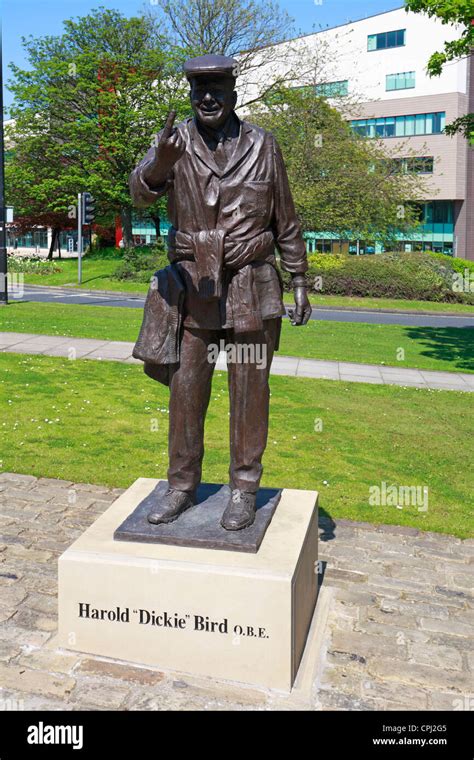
(88, 208)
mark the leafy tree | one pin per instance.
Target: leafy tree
(85, 112)
(342, 183)
(249, 30)
(450, 12)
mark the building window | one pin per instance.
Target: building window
(417, 165)
(438, 212)
(35, 239)
(403, 81)
(401, 126)
(386, 40)
(332, 89)
(421, 165)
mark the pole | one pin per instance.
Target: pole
(3, 220)
(79, 238)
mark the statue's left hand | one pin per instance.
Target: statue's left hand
(302, 313)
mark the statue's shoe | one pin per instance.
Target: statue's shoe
(240, 510)
(173, 505)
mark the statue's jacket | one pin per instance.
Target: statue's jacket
(226, 224)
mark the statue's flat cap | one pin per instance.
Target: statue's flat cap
(211, 66)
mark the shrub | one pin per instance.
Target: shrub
(31, 265)
(458, 265)
(414, 276)
(140, 263)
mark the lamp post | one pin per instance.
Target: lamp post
(3, 220)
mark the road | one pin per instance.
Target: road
(75, 296)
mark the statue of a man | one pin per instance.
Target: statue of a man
(230, 205)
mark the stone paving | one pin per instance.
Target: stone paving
(398, 633)
(293, 366)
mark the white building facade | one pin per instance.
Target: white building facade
(379, 63)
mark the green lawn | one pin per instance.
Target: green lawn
(435, 348)
(95, 422)
(98, 275)
(388, 303)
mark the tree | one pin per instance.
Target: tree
(256, 32)
(450, 12)
(86, 110)
(225, 27)
(341, 183)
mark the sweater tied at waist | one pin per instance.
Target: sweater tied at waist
(223, 260)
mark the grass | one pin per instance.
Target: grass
(430, 348)
(448, 349)
(86, 421)
(387, 303)
(98, 275)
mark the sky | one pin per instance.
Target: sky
(44, 17)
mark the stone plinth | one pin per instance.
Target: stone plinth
(225, 614)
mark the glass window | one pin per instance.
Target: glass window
(421, 165)
(390, 126)
(400, 40)
(323, 247)
(420, 124)
(386, 40)
(391, 39)
(438, 122)
(439, 212)
(333, 89)
(403, 81)
(370, 128)
(409, 125)
(380, 127)
(399, 126)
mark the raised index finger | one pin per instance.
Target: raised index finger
(169, 125)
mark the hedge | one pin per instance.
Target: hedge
(414, 276)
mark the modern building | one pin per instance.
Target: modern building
(378, 64)
(374, 71)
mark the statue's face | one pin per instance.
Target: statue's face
(213, 100)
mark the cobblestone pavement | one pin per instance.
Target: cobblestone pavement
(398, 633)
(293, 366)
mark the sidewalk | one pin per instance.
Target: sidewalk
(393, 626)
(85, 348)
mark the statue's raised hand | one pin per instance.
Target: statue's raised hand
(169, 146)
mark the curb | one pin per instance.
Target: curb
(365, 310)
(360, 309)
(74, 288)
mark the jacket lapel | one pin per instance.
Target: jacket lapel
(201, 150)
(245, 143)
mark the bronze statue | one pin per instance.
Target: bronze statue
(229, 204)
